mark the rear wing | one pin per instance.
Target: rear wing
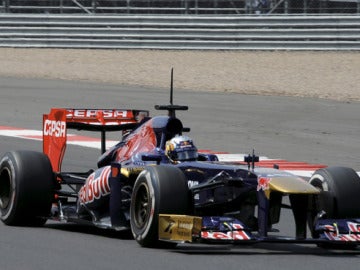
(59, 120)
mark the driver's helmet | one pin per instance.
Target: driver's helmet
(181, 148)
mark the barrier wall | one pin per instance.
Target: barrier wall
(181, 32)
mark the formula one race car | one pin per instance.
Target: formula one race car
(156, 184)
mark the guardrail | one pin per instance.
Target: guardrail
(197, 7)
(181, 32)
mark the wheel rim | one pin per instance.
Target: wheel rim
(142, 206)
(317, 184)
(5, 188)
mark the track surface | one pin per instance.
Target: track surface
(315, 131)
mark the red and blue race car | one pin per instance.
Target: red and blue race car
(155, 184)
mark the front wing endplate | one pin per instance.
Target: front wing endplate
(179, 227)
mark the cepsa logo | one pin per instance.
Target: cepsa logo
(54, 128)
(92, 113)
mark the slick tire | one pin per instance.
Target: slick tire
(26, 188)
(157, 190)
(340, 189)
(339, 197)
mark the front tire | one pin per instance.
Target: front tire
(340, 189)
(26, 188)
(157, 190)
(339, 196)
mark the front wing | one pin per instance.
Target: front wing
(218, 229)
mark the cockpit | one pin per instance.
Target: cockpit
(151, 134)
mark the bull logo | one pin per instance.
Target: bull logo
(263, 183)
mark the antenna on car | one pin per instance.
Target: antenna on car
(171, 86)
(172, 108)
(251, 159)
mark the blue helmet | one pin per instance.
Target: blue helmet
(181, 148)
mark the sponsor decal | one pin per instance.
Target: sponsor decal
(179, 227)
(263, 183)
(232, 235)
(95, 187)
(192, 183)
(332, 232)
(54, 128)
(170, 226)
(54, 137)
(93, 113)
(235, 232)
(353, 227)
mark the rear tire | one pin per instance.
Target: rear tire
(157, 190)
(26, 188)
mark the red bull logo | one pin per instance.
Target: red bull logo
(263, 183)
(95, 187)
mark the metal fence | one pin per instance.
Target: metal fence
(274, 32)
(205, 7)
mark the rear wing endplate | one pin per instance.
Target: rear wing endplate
(56, 123)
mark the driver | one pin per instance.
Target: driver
(181, 148)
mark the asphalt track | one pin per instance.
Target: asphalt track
(316, 131)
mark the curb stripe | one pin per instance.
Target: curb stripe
(299, 168)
